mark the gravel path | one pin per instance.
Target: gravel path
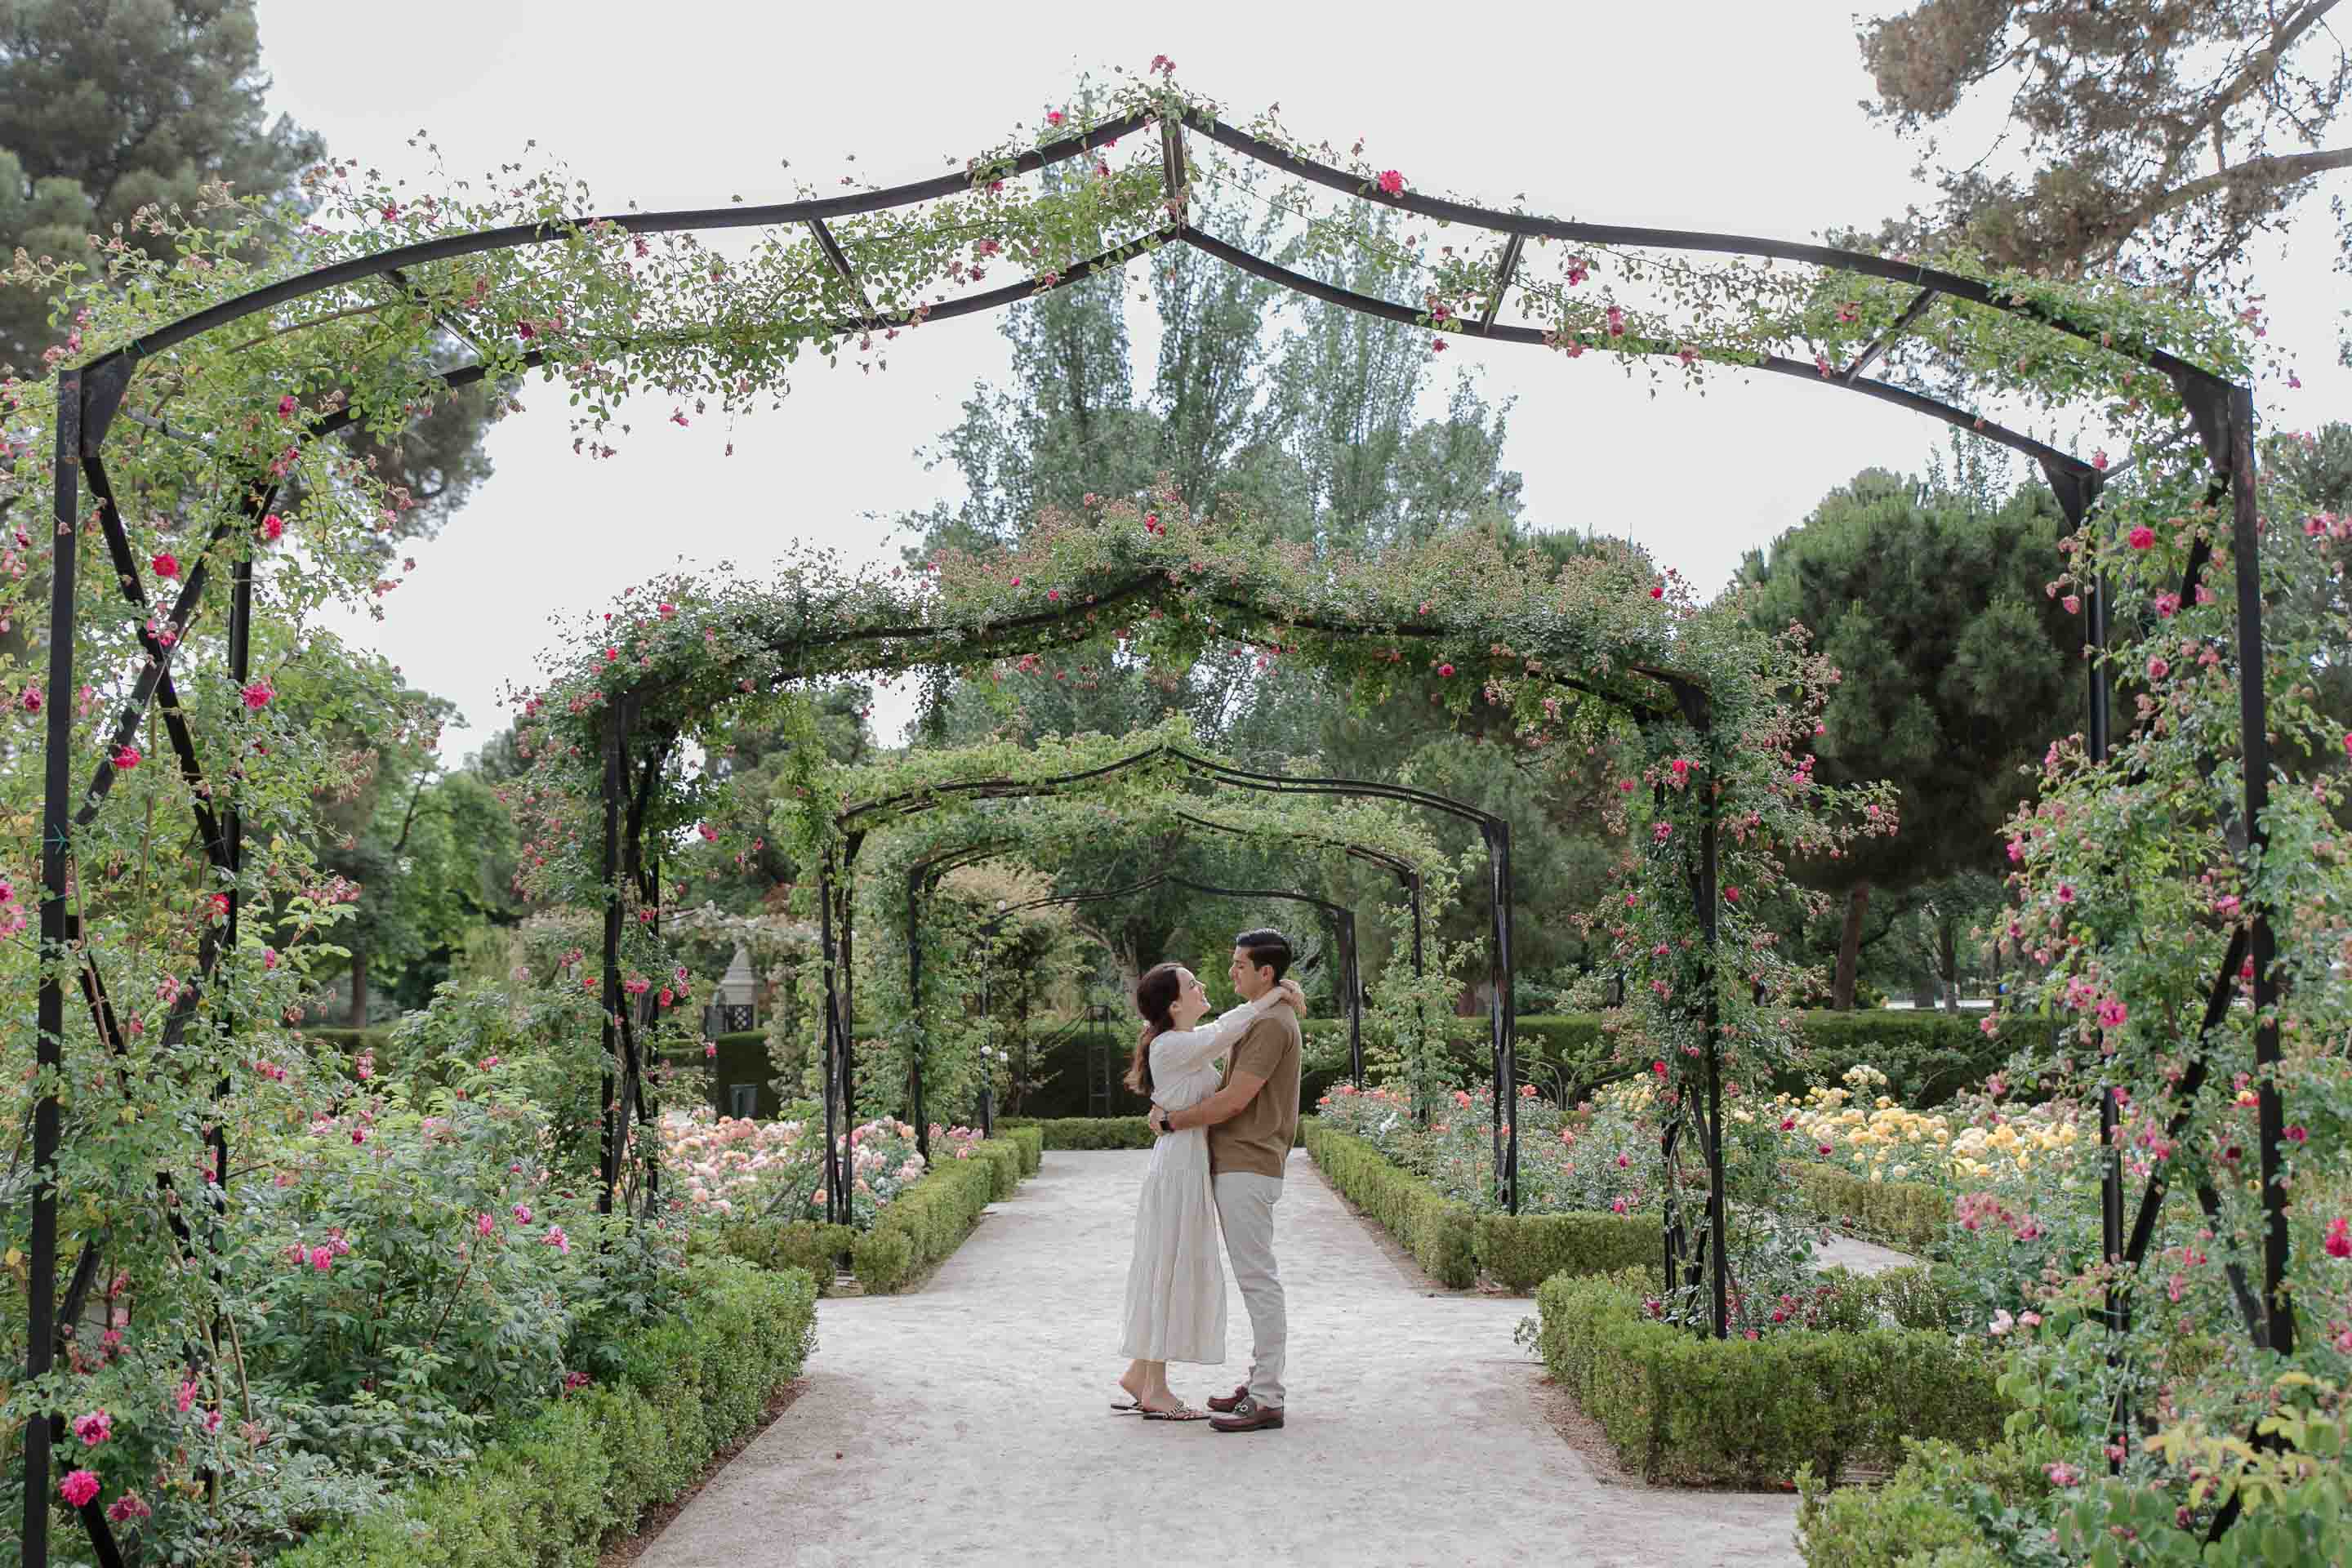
(969, 1423)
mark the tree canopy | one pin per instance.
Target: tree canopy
(1954, 666)
(2159, 137)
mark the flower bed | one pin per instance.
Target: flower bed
(586, 1468)
(726, 1168)
(1454, 1244)
(1601, 1158)
(750, 1186)
(1755, 1410)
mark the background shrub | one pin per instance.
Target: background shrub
(1684, 1407)
(1442, 1235)
(587, 1468)
(1906, 1215)
(1912, 1517)
(1085, 1132)
(1522, 1251)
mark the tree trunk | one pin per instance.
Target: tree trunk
(1849, 959)
(359, 988)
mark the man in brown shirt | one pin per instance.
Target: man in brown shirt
(1252, 1121)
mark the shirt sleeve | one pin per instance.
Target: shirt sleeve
(1180, 1050)
(1261, 1051)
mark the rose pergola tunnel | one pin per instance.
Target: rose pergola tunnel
(207, 389)
(924, 875)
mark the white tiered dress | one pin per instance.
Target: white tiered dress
(1176, 1278)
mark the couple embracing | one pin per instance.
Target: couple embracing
(1223, 1136)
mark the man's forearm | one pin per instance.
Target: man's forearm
(1208, 1113)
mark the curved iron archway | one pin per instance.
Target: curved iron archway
(924, 876)
(90, 396)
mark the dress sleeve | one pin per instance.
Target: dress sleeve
(1180, 1050)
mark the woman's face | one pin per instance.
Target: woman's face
(1192, 999)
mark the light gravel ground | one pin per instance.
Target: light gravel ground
(1862, 1256)
(969, 1423)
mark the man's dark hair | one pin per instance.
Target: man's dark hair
(1267, 949)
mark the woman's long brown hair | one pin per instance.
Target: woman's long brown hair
(1155, 997)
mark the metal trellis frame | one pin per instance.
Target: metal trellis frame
(90, 396)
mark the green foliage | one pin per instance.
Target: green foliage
(1928, 1057)
(1911, 1216)
(553, 1492)
(1521, 1251)
(1085, 1132)
(930, 1219)
(1684, 1407)
(1954, 667)
(1943, 1506)
(1442, 1235)
(789, 1244)
(1030, 1141)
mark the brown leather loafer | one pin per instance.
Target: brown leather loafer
(1248, 1416)
(1222, 1404)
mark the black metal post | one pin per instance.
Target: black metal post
(2253, 719)
(835, 1206)
(41, 1285)
(1719, 1200)
(1350, 979)
(847, 1060)
(615, 787)
(915, 1014)
(1503, 1012)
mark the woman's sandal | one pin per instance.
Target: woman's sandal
(1125, 1404)
(1182, 1413)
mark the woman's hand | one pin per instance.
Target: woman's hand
(1295, 998)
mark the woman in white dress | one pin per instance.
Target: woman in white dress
(1176, 1278)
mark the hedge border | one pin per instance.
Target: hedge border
(914, 1233)
(1454, 1244)
(1908, 1216)
(587, 1469)
(1681, 1406)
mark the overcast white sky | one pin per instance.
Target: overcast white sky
(1739, 116)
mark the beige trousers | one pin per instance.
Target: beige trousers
(1245, 1202)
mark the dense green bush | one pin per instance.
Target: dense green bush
(1684, 1407)
(930, 1219)
(587, 1468)
(788, 1244)
(1454, 1244)
(917, 1229)
(1085, 1132)
(1031, 1141)
(1927, 1058)
(1522, 1251)
(1913, 1517)
(1907, 1214)
(1441, 1235)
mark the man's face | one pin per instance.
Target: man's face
(1250, 980)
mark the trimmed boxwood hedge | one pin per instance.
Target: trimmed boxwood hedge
(586, 1468)
(1031, 1141)
(1441, 1234)
(1682, 1406)
(1084, 1132)
(1522, 1251)
(1906, 1215)
(917, 1230)
(1454, 1245)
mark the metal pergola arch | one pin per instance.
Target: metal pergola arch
(856, 819)
(1343, 920)
(924, 875)
(90, 395)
